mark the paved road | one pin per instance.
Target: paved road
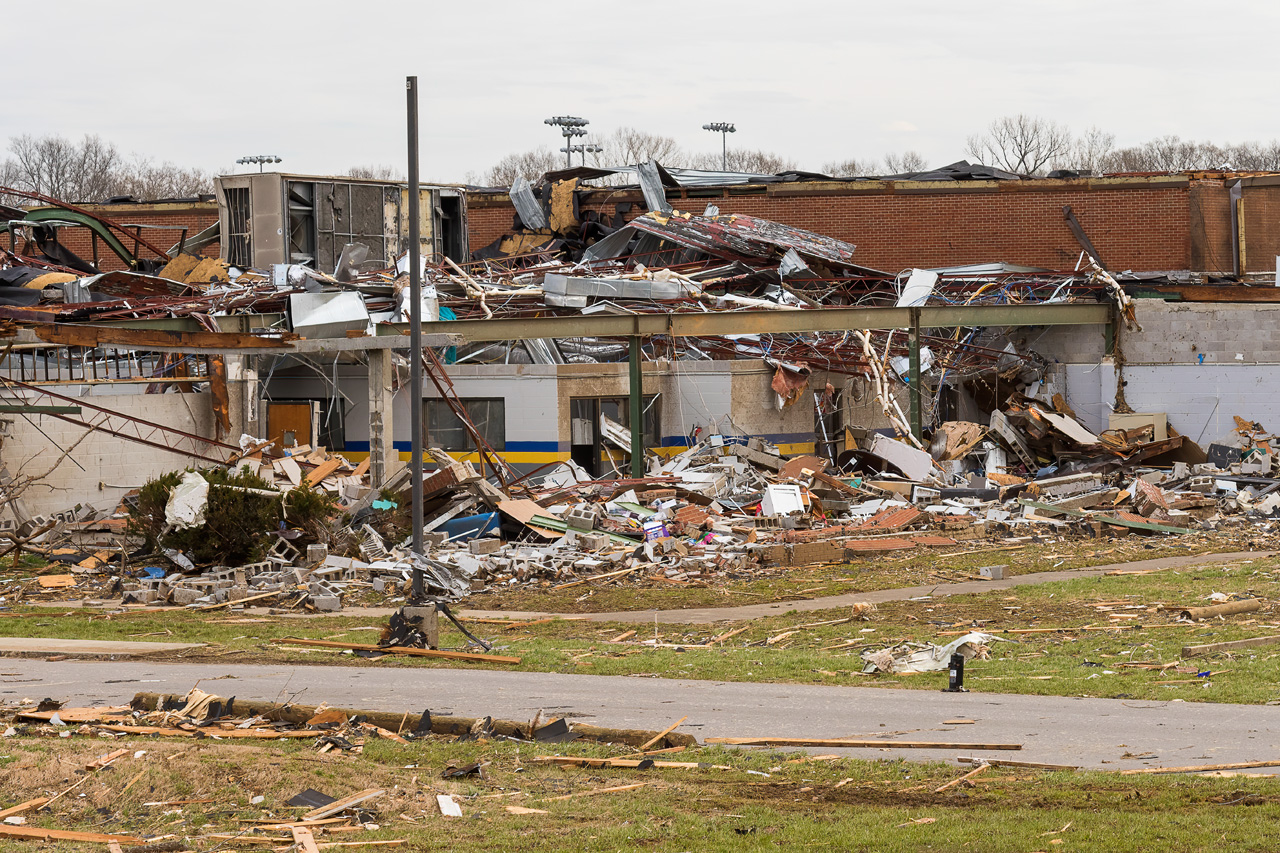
(1085, 732)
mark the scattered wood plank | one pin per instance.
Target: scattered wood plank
(851, 743)
(23, 807)
(30, 832)
(230, 734)
(624, 763)
(592, 793)
(56, 581)
(448, 805)
(343, 804)
(605, 576)
(398, 650)
(304, 839)
(728, 634)
(316, 475)
(1198, 768)
(1209, 648)
(983, 767)
(626, 635)
(1004, 762)
(104, 760)
(958, 722)
(524, 810)
(257, 597)
(660, 735)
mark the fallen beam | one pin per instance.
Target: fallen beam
(1209, 648)
(397, 650)
(68, 334)
(1197, 768)
(850, 743)
(1004, 762)
(1227, 609)
(397, 721)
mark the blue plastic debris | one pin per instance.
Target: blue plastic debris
(381, 504)
(154, 571)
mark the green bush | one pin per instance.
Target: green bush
(238, 524)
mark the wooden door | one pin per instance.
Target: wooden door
(289, 424)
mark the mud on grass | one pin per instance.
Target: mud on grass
(842, 803)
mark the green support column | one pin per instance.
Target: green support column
(913, 376)
(637, 409)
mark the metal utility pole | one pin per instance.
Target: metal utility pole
(581, 149)
(415, 333)
(570, 126)
(724, 128)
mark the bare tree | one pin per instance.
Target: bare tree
(1168, 154)
(906, 163)
(628, 146)
(851, 168)
(529, 165)
(1091, 151)
(1255, 156)
(758, 162)
(144, 179)
(379, 172)
(1022, 144)
(56, 166)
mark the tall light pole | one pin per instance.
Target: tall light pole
(259, 159)
(724, 128)
(415, 337)
(583, 150)
(570, 126)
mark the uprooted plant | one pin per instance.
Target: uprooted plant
(241, 516)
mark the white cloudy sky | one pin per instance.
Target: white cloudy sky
(321, 83)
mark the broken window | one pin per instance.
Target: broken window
(239, 243)
(447, 431)
(333, 424)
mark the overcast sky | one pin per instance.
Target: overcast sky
(321, 84)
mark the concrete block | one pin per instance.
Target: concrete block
(326, 603)
(184, 595)
(484, 546)
(317, 554)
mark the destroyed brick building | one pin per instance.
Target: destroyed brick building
(683, 357)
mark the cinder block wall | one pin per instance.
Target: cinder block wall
(33, 443)
(1201, 363)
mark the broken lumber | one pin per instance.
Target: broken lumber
(303, 838)
(230, 734)
(660, 735)
(625, 763)
(397, 650)
(22, 807)
(613, 790)
(31, 832)
(1246, 605)
(1196, 768)
(1209, 648)
(1004, 762)
(1105, 519)
(981, 768)
(851, 743)
(343, 804)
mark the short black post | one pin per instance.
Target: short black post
(955, 681)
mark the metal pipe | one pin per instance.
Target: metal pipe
(415, 335)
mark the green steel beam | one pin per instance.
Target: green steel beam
(913, 374)
(636, 388)
(62, 216)
(720, 323)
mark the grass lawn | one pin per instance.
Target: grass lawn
(1112, 637)
(766, 800)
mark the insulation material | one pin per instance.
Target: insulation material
(188, 501)
(911, 657)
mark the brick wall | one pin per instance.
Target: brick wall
(170, 217)
(1141, 223)
(1260, 213)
